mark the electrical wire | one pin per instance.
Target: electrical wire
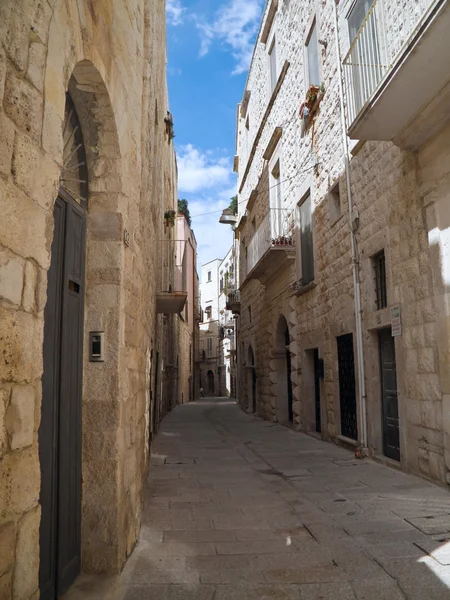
(213, 212)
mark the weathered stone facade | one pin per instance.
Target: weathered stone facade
(188, 320)
(399, 203)
(110, 56)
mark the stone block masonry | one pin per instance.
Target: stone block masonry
(401, 205)
(102, 54)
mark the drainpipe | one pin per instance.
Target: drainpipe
(355, 255)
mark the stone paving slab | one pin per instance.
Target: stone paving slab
(241, 509)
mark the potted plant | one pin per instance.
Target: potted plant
(311, 95)
(321, 92)
(313, 98)
(169, 218)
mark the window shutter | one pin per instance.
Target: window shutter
(306, 242)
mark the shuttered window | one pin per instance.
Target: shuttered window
(313, 57)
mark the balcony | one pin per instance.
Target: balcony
(173, 295)
(234, 302)
(271, 248)
(396, 72)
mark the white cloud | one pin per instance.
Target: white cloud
(174, 11)
(235, 25)
(213, 239)
(206, 179)
(201, 171)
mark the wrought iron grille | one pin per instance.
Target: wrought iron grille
(347, 386)
(379, 270)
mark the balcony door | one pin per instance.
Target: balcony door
(365, 51)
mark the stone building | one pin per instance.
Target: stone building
(344, 178)
(216, 354)
(188, 319)
(227, 323)
(87, 297)
(209, 355)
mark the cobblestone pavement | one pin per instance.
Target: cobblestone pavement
(241, 509)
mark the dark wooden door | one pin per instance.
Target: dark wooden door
(253, 389)
(317, 391)
(391, 431)
(289, 378)
(347, 386)
(211, 388)
(60, 429)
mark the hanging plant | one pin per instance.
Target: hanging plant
(169, 126)
(309, 106)
(169, 218)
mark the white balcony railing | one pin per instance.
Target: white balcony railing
(276, 231)
(385, 33)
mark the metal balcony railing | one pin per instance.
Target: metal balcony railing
(385, 33)
(233, 296)
(275, 232)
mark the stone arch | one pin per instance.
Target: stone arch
(103, 500)
(283, 368)
(104, 274)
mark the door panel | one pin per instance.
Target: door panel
(391, 431)
(317, 391)
(253, 389)
(347, 386)
(69, 521)
(289, 378)
(60, 430)
(48, 431)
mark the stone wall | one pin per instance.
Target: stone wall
(399, 198)
(115, 52)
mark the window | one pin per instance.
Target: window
(209, 276)
(306, 241)
(247, 138)
(273, 64)
(208, 311)
(379, 273)
(209, 347)
(221, 284)
(334, 203)
(312, 56)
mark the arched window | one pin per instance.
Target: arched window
(74, 174)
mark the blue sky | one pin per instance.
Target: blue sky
(210, 43)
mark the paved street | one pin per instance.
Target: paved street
(242, 509)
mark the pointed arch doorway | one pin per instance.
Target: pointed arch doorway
(60, 429)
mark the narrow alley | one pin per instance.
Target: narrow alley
(241, 509)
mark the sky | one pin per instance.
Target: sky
(210, 44)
